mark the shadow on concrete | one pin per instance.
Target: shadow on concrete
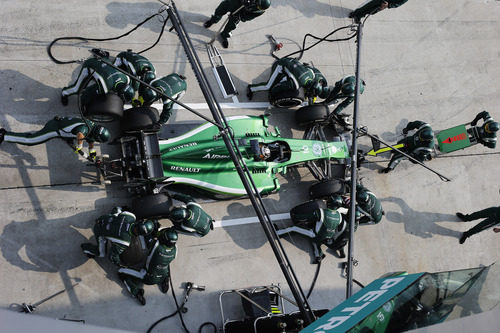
(421, 224)
(312, 8)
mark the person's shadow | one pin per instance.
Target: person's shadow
(421, 224)
(312, 8)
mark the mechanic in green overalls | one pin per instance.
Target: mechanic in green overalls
(65, 128)
(419, 145)
(487, 132)
(290, 74)
(491, 216)
(251, 9)
(368, 205)
(329, 225)
(157, 269)
(117, 228)
(190, 218)
(173, 85)
(106, 79)
(136, 65)
(343, 89)
(373, 7)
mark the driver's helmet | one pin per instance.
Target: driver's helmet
(168, 236)
(265, 152)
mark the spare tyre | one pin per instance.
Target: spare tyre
(287, 99)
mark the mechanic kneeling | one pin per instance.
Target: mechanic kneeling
(157, 269)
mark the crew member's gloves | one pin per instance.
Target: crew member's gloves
(405, 131)
(92, 154)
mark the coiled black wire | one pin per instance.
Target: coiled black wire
(54, 59)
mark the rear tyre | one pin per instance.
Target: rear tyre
(144, 118)
(326, 188)
(287, 99)
(105, 108)
(310, 114)
(152, 206)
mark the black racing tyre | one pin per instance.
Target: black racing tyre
(152, 206)
(302, 215)
(287, 99)
(311, 114)
(326, 188)
(105, 109)
(143, 118)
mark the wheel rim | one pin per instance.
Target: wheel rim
(288, 103)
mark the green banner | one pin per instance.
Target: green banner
(362, 304)
(452, 139)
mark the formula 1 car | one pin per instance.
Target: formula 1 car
(200, 159)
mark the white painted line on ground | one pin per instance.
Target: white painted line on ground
(248, 220)
(204, 106)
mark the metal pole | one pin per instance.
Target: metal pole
(242, 170)
(354, 167)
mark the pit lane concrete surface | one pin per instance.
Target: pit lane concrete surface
(427, 60)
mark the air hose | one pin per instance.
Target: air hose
(49, 48)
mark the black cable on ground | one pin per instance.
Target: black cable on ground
(170, 315)
(179, 309)
(313, 283)
(320, 40)
(207, 323)
(49, 48)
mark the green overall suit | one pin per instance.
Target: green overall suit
(373, 7)
(418, 145)
(290, 74)
(59, 127)
(172, 85)
(328, 227)
(344, 89)
(231, 6)
(106, 79)
(190, 218)
(485, 134)
(368, 205)
(491, 216)
(136, 65)
(156, 271)
(116, 228)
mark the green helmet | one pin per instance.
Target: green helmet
(362, 196)
(179, 214)
(144, 228)
(168, 236)
(101, 134)
(349, 86)
(126, 92)
(148, 95)
(148, 76)
(426, 135)
(263, 4)
(491, 127)
(334, 201)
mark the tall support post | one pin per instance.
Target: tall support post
(354, 166)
